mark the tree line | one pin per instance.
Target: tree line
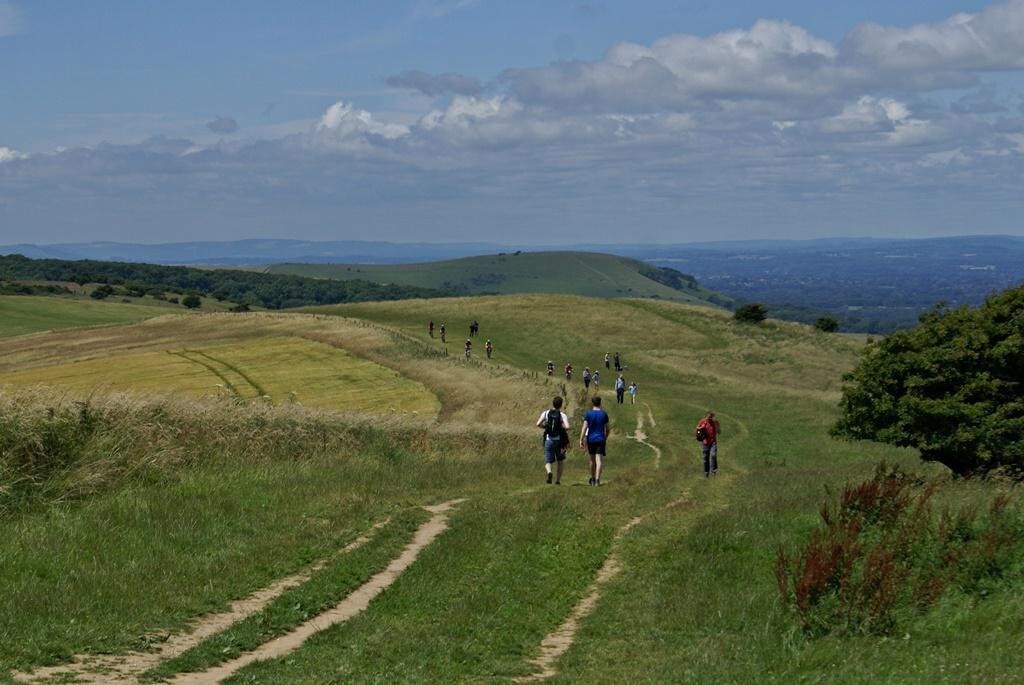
(272, 291)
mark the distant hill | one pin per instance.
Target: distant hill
(273, 291)
(579, 273)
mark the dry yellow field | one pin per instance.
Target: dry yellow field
(276, 368)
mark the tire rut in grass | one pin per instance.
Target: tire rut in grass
(349, 607)
(125, 668)
(558, 642)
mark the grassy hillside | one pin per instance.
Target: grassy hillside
(578, 273)
(21, 314)
(659, 575)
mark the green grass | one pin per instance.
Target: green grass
(193, 511)
(580, 273)
(21, 314)
(321, 592)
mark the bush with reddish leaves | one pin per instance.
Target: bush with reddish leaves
(883, 553)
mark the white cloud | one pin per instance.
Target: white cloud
(867, 115)
(9, 155)
(993, 39)
(342, 122)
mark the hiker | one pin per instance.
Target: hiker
(708, 430)
(620, 389)
(596, 378)
(606, 362)
(568, 372)
(594, 435)
(476, 327)
(469, 347)
(442, 331)
(488, 348)
(586, 378)
(618, 365)
(632, 392)
(555, 424)
(430, 329)
(551, 368)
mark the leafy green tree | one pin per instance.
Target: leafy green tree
(953, 387)
(750, 313)
(826, 324)
(102, 292)
(192, 301)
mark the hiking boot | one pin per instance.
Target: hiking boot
(558, 482)
(597, 482)
(549, 479)
(590, 481)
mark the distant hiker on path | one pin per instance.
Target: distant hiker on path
(489, 348)
(555, 424)
(586, 377)
(620, 389)
(568, 372)
(606, 361)
(618, 365)
(594, 435)
(707, 433)
(551, 368)
(430, 329)
(596, 378)
(632, 392)
(469, 347)
(442, 331)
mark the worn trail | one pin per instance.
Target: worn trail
(344, 610)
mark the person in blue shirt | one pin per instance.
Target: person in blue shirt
(594, 436)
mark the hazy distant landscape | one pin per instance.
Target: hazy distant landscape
(868, 285)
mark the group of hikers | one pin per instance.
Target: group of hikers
(594, 377)
(474, 330)
(596, 424)
(594, 437)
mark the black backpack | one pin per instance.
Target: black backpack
(701, 434)
(553, 427)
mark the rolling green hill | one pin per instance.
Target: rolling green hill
(21, 314)
(572, 273)
(152, 535)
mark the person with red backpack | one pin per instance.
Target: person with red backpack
(708, 430)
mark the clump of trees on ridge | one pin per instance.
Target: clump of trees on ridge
(273, 291)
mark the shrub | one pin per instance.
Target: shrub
(953, 387)
(826, 324)
(102, 292)
(882, 553)
(192, 301)
(751, 313)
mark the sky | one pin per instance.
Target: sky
(535, 121)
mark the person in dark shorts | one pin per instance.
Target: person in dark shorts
(620, 389)
(618, 364)
(594, 436)
(430, 329)
(707, 433)
(586, 378)
(555, 425)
